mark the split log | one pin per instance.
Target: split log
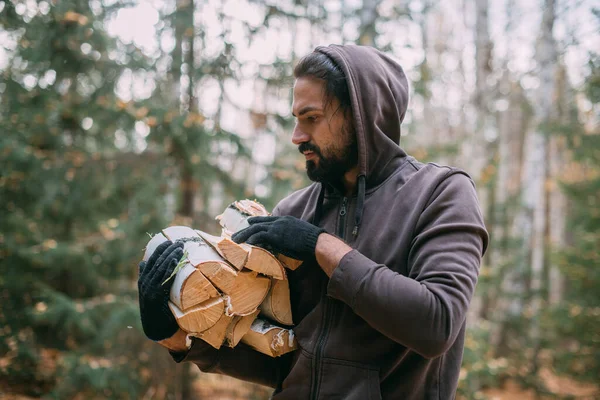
(191, 288)
(246, 294)
(276, 305)
(260, 260)
(215, 335)
(227, 248)
(244, 290)
(223, 286)
(245, 255)
(201, 317)
(174, 233)
(234, 219)
(221, 275)
(288, 262)
(239, 326)
(270, 339)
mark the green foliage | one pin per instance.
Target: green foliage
(576, 322)
(479, 368)
(75, 204)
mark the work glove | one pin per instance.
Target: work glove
(286, 235)
(157, 320)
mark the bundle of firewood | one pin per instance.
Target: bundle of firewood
(224, 292)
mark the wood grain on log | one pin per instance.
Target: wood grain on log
(248, 291)
(288, 262)
(239, 326)
(215, 335)
(191, 288)
(260, 260)
(276, 305)
(201, 317)
(228, 249)
(270, 339)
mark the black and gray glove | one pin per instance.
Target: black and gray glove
(157, 320)
(286, 235)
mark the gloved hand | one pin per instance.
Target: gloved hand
(157, 320)
(286, 235)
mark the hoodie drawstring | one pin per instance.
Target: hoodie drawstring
(360, 204)
(319, 207)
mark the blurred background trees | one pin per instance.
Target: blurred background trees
(121, 117)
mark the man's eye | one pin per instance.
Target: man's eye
(312, 118)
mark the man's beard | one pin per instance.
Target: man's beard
(337, 161)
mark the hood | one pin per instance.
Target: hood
(379, 95)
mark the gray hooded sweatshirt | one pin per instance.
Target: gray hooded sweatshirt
(390, 322)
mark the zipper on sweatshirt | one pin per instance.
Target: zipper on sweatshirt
(328, 313)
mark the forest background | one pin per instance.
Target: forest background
(121, 117)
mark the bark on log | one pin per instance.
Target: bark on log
(191, 288)
(154, 242)
(276, 305)
(269, 339)
(223, 286)
(234, 219)
(174, 233)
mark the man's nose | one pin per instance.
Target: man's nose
(299, 137)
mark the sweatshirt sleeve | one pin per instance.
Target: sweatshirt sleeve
(425, 310)
(241, 362)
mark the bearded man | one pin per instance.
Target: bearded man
(391, 249)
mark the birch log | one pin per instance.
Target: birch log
(276, 305)
(270, 339)
(215, 335)
(199, 318)
(234, 219)
(238, 327)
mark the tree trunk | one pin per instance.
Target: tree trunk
(557, 207)
(530, 223)
(476, 149)
(368, 17)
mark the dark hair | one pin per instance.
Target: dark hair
(321, 66)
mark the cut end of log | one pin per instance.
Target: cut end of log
(191, 288)
(239, 326)
(199, 318)
(223, 286)
(270, 339)
(220, 274)
(288, 262)
(249, 290)
(235, 254)
(215, 335)
(260, 260)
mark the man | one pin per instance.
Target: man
(391, 249)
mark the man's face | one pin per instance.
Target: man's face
(322, 133)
